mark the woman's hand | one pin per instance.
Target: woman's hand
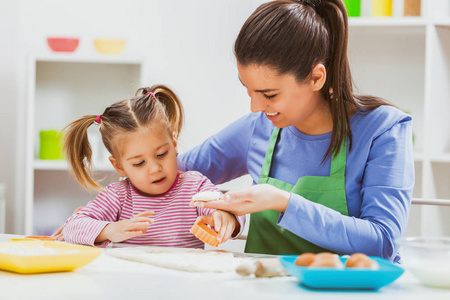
(224, 223)
(256, 198)
(126, 229)
(58, 234)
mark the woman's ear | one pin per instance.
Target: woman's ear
(117, 166)
(318, 77)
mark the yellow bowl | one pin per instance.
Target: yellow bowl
(41, 257)
(109, 46)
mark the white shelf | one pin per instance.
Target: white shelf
(61, 165)
(396, 22)
(99, 59)
(387, 22)
(438, 202)
(443, 158)
(50, 165)
(443, 23)
(419, 157)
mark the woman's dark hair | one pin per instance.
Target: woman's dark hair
(292, 37)
(156, 107)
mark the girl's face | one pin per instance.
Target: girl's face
(286, 102)
(149, 160)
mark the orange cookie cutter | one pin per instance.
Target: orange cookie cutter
(205, 234)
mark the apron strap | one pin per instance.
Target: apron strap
(339, 161)
(269, 153)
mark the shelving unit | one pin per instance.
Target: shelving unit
(61, 88)
(406, 60)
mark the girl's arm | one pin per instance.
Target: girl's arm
(223, 156)
(84, 226)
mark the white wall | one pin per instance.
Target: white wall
(187, 44)
(9, 87)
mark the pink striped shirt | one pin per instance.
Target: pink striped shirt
(120, 200)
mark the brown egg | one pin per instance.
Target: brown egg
(326, 259)
(305, 259)
(360, 260)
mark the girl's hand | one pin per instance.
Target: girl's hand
(58, 234)
(256, 198)
(126, 229)
(224, 223)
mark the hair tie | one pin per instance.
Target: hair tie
(98, 119)
(150, 93)
(313, 3)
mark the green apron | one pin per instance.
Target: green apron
(265, 236)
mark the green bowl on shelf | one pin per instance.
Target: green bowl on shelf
(50, 146)
(353, 7)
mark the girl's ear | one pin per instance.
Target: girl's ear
(174, 139)
(318, 77)
(117, 166)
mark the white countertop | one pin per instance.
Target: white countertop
(112, 278)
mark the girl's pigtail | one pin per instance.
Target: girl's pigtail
(172, 104)
(78, 151)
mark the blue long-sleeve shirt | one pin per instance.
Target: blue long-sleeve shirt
(379, 176)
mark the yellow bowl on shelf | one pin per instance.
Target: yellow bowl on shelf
(105, 46)
(28, 257)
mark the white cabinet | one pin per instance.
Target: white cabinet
(62, 88)
(407, 61)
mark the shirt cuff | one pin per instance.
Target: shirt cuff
(241, 221)
(289, 219)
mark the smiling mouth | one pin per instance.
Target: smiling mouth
(159, 180)
(272, 114)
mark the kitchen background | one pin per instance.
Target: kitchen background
(188, 46)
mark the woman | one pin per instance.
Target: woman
(334, 170)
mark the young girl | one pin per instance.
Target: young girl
(333, 171)
(151, 205)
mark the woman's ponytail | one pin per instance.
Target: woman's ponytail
(338, 88)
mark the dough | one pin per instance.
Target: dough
(265, 267)
(183, 259)
(206, 196)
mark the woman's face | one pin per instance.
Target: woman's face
(284, 101)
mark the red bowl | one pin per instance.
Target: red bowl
(63, 44)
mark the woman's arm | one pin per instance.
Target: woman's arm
(386, 197)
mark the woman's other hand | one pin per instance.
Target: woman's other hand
(254, 199)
